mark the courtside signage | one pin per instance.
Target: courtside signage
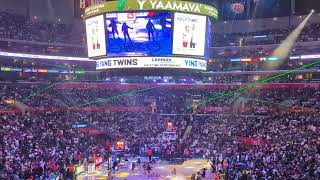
(151, 62)
(145, 5)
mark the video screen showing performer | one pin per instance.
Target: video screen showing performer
(139, 33)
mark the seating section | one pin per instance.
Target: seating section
(269, 143)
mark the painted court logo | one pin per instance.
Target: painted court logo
(121, 4)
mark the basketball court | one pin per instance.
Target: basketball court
(160, 170)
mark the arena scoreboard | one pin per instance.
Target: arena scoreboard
(149, 34)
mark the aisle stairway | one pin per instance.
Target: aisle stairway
(186, 133)
(20, 106)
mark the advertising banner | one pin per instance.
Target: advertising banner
(189, 34)
(162, 5)
(96, 37)
(139, 33)
(151, 62)
(185, 86)
(209, 109)
(253, 141)
(9, 101)
(120, 146)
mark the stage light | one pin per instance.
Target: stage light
(189, 167)
(283, 50)
(312, 10)
(121, 80)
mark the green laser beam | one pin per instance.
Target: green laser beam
(53, 65)
(272, 102)
(217, 97)
(256, 83)
(280, 104)
(259, 100)
(115, 97)
(269, 102)
(33, 94)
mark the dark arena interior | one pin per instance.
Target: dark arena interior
(160, 89)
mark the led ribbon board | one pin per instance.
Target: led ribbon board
(151, 62)
(145, 5)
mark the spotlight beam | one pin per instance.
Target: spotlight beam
(286, 46)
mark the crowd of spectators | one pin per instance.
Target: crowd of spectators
(46, 144)
(271, 36)
(292, 150)
(21, 27)
(38, 145)
(261, 51)
(245, 45)
(168, 99)
(223, 66)
(43, 143)
(39, 37)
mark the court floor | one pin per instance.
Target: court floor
(160, 170)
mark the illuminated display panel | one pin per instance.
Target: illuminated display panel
(96, 38)
(189, 34)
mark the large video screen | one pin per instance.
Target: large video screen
(149, 39)
(189, 34)
(139, 33)
(96, 36)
